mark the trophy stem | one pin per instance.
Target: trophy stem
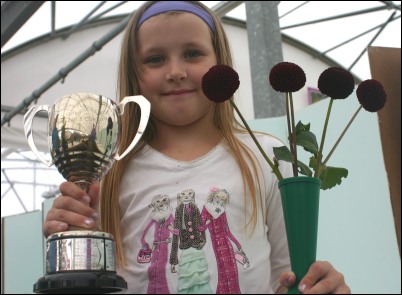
(85, 187)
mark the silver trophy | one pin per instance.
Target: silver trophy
(83, 136)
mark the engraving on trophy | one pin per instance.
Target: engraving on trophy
(80, 253)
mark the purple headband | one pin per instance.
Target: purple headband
(165, 6)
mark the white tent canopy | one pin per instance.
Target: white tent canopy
(327, 27)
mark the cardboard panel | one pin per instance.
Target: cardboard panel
(385, 66)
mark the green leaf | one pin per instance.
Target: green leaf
(305, 138)
(332, 176)
(303, 169)
(300, 127)
(313, 163)
(283, 153)
(308, 141)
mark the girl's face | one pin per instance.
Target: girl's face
(175, 52)
(187, 196)
(161, 203)
(219, 199)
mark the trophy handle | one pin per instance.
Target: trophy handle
(145, 107)
(28, 131)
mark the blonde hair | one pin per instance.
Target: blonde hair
(224, 120)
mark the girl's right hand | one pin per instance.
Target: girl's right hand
(73, 207)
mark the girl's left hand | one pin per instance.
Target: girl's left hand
(321, 278)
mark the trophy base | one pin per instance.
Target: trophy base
(80, 282)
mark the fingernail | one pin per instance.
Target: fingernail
(95, 216)
(63, 226)
(86, 199)
(302, 287)
(287, 282)
(88, 221)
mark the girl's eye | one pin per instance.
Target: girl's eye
(193, 54)
(154, 59)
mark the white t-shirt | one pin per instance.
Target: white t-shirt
(203, 254)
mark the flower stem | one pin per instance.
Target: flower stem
(317, 172)
(341, 136)
(293, 141)
(274, 168)
(288, 121)
(289, 130)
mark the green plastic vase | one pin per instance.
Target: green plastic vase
(300, 202)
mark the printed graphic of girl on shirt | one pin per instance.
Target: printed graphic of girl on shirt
(213, 217)
(193, 266)
(162, 219)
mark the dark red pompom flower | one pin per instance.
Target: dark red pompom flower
(371, 95)
(287, 77)
(337, 83)
(220, 82)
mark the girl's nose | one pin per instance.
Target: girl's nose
(176, 71)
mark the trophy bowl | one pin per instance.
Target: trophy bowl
(83, 138)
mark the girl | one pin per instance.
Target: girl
(190, 143)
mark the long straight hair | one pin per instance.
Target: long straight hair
(224, 120)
